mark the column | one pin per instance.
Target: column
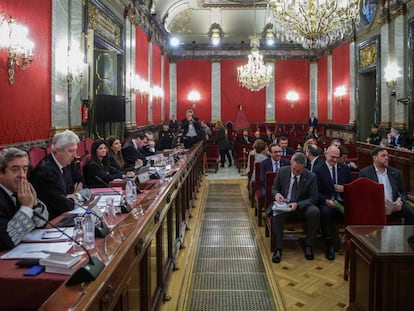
(150, 100)
(67, 38)
(400, 56)
(352, 82)
(385, 92)
(329, 99)
(173, 88)
(162, 100)
(270, 95)
(313, 88)
(215, 91)
(130, 113)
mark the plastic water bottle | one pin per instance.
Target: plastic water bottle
(129, 191)
(78, 236)
(89, 230)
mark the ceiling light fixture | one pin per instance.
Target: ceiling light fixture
(316, 24)
(255, 75)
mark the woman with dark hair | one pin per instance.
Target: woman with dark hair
(98, 167)
(223, 143)
(115, 156)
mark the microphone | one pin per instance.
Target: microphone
(88, 271)
(125, 207)
(101, 229)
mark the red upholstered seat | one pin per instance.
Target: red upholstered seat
(81, 152)
(88, 144)
(212, 156)
(269, 180)
(364, 205)
(36, 154)
(251, 165)
(242, 152)
(83, 162)
(258, 197)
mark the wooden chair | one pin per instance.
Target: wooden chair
(242, 151)
(83, 162)
(258, 198)
(364, 205)
(269, 180)
(212, 155)
(36, 154)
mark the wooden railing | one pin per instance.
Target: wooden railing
(136, 277)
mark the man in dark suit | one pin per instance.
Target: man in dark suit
(56, 179)
(396, 139)
(296, 186)
(313, 121)
(331, 177)
(271, 164)
(191, 129)
(313, 153)
(132, 150)
(245, 139)
(18, 199)
(283, 143)
(382, 173)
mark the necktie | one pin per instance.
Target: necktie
(294, 192)
(275, 167)
(333, 175)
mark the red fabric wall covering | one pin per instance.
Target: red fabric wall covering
(166, 89)
(194, 75)
(323, 89)
(156, 81)
(141, 66)
(292, 75)
(26, 105)
(340, 76)
(233, 95)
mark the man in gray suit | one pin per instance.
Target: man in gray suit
(296, 186)
(394, 190)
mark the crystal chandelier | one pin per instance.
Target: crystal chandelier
(255, 75)
(315, 24)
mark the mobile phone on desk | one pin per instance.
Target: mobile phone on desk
(35, 270)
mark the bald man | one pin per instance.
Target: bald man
(331, 177)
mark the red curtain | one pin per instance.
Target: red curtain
(26, 105)
(323, 89)
(156, 81)
(233, 95)
(340, 77)
(292, 75)
(141, 67)
(194, 75)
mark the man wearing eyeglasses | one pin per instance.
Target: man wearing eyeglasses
(331, 177)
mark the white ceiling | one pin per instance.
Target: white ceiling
(190, 20)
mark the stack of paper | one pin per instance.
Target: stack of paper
(60, 263)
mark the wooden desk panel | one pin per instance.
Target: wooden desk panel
(382, 268)
(146, 246)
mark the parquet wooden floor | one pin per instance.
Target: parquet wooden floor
(297, 284)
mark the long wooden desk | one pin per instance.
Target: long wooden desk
(382, 268)
(400, 159)
(139, 255)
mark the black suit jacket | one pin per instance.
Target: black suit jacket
(52, 186)
(242, 140)
(325, 183)
(307, 187)
(267, 166)
(7, 211)
(313, 122)
(394, 176)
(318, 161)
(131, 154)
(95, 168)
(401, 140)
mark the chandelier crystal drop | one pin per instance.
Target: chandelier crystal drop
(255, 75)
(315, 24)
